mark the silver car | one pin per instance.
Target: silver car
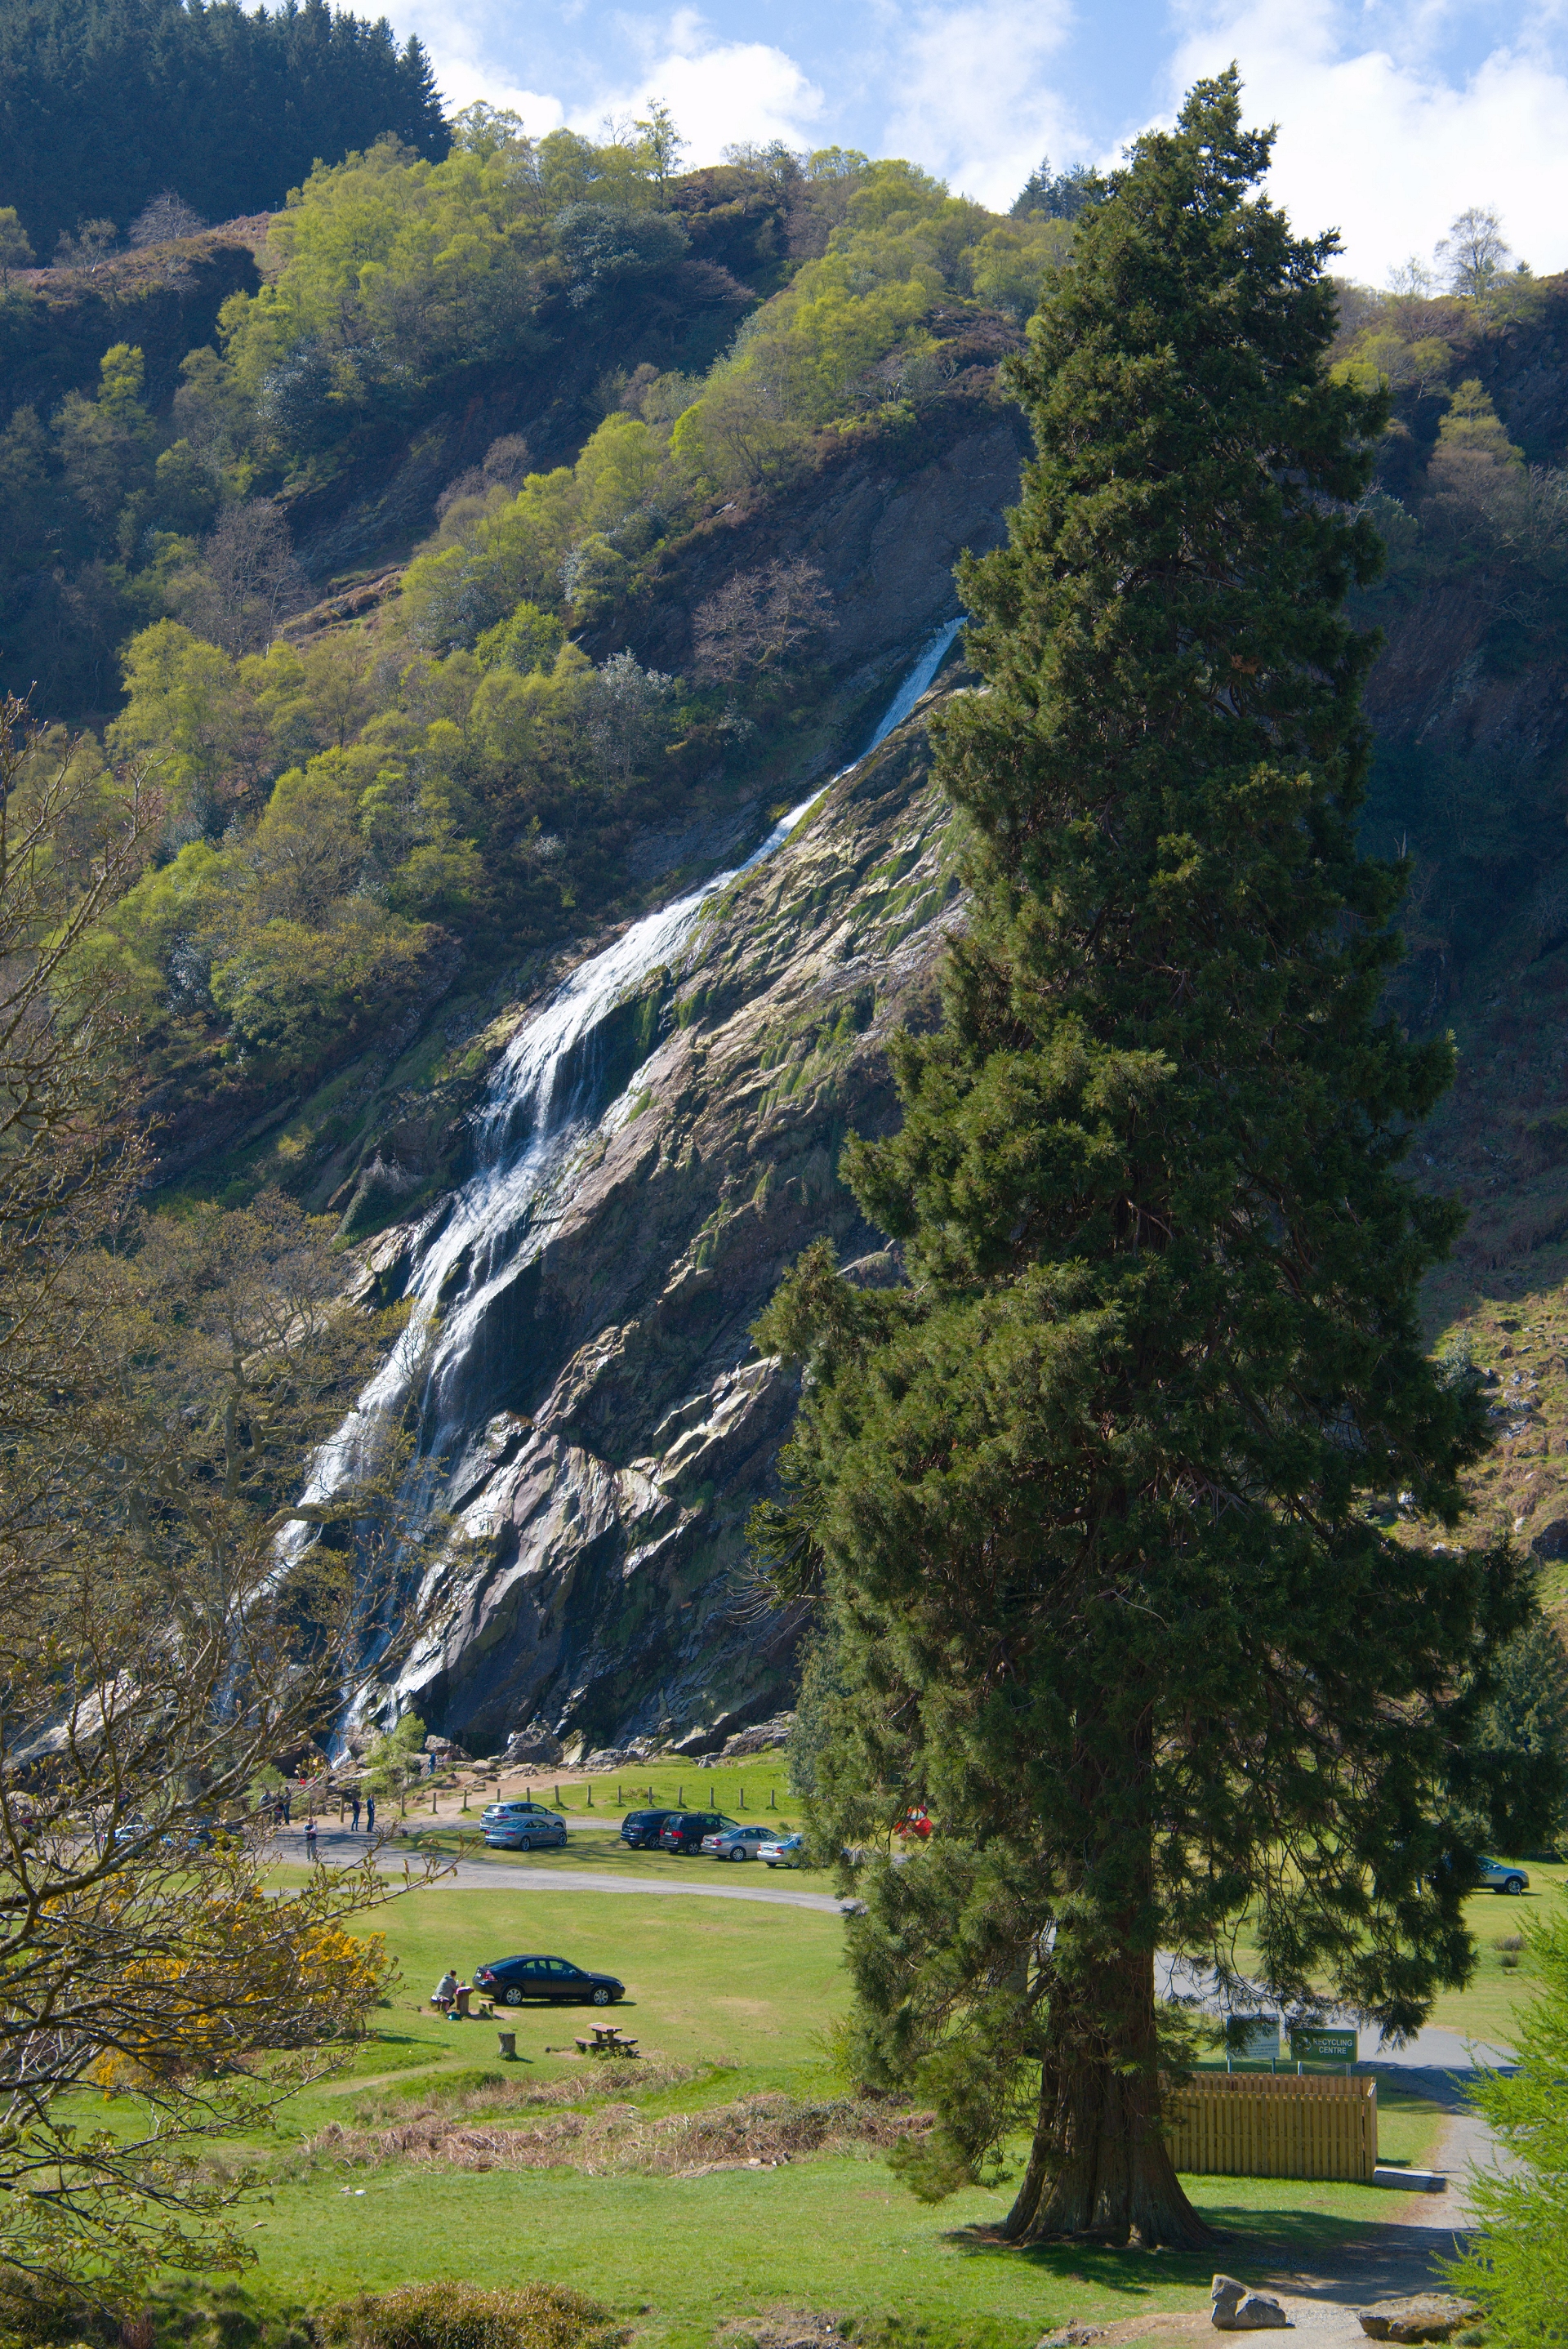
(1501, 1876)
(736, 1843)
(522, 1826)
(515, 1814)
(783, 1851)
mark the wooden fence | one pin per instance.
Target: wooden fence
(1273, 2125)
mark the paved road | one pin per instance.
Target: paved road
(755, 1882)
(1431, 2049)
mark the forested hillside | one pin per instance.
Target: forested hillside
(473, 762)
(107, 105)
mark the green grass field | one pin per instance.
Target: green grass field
(1483, 2010)
(746, 1994)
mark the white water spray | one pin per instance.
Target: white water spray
(541, 1103)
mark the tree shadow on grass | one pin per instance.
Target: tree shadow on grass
(1316, 2253)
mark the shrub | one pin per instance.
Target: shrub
(451, 2315)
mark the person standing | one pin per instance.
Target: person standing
(288, 1807)
(310, 1839)
(354, 1803)
(370, 1815)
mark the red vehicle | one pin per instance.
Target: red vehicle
(916, 1822)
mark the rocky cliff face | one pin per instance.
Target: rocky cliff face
(624, 1423)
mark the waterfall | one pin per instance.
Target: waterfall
(541, 1103)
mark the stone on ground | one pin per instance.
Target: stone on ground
(1238, 2310)
(1419, 2317)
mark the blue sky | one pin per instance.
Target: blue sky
(1393, 114)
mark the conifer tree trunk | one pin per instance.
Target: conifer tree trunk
(1099, 2164)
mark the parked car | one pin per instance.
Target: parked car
(518, 1810)
(556, 1979)
(784, 1851)
(682, 1831)
(524, 1827)
(736, 1843)
(641, 1828)
(1501, 1876)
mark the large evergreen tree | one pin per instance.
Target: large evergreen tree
(1086, 1499)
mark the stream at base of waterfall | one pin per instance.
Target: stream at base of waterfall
(543, 1104)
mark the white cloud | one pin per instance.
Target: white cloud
(1382, 144)
(970, 96)
(720, 93)
(467, 63)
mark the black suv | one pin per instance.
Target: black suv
(512, 1980)
(641, 1828)
(682, 1831)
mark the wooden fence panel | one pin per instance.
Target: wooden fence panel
(1273, 2125)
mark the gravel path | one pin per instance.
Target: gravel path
(1322, 2295)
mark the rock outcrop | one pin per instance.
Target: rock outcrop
(626, 1424)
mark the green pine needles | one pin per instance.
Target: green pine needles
(1516, 2257)
(1085, 1502)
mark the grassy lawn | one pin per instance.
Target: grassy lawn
(744, 1995)
(1505, 1980)
(716, 1982)
(680, 2257)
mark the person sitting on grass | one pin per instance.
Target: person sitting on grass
(445, 1993)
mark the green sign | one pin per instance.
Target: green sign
(1323, 2046)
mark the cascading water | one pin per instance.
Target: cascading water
(542, 1102)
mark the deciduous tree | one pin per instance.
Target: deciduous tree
(162, 1390)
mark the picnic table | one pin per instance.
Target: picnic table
(606, 2039)
(460, 2004)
